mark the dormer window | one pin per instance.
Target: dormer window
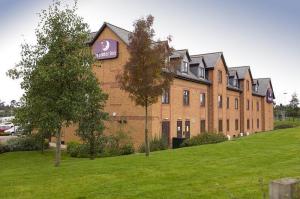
(235, 82)
(184, 67)
(201, 72)
(256, 88)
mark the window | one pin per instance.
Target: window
(201, 72)
(187, 129)
(247, 84)
(228, 127)
(235, 82)
(165, 98)
(227, 102)
(186, 97)
(236, 103)
(248, 124)
(220, 125)
(202, 99)
(184, 67)
(220, 103)
(219, 76)
(248, 104)
(256, 88)
(257, 106)
(202, 126)
(179, 129)
(236, 124)
(257, 123)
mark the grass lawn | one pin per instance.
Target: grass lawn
(226, 170)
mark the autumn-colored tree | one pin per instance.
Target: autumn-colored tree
(148, 71)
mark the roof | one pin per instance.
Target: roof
(264, 85)
(241, 71)
(210, 59)
(120, 32)
(180, 53)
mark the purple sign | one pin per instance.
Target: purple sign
(269, 96)
(105, 49)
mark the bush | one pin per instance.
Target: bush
(157, 144)
(204, 138)
(119, 144)
(286, 124)
(28, 143)
(127, 149)
(113, 145)
(4, 134)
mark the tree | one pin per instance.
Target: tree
(147, 72)
(91, 123)
(55, 71)
(293, 109)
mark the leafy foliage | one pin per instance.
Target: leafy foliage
(106, 146)
(28, 143)
(56, 72)
(204, 138)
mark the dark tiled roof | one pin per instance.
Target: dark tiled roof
(180, 53)
(263, 86)
(241, 71)
(210, 59)
(120, 32)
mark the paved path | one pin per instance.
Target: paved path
(5, 138)
(52, 144)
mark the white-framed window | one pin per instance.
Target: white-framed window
(202, 99)
(235, 82)
(256, 88)
(201, 72)
(186, 97)
(185, 67)
(165, 98)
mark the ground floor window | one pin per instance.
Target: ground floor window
(202, 126)
(220, 125)
(248, 124)
(257, 123)
(187, 129)
(179, 129)
(236, 124)
(228, 127)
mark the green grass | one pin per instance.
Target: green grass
(225, 170)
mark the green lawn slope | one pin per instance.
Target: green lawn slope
(227, 170)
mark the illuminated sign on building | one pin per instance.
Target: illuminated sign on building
(105, 49)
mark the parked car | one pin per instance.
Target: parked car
(13, 130)
(6, 126)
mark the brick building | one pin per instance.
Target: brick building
(206, 95)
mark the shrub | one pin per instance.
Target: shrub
(118, 145)
(204, 138)
(4, 134)
(28, 143)
(156, 144)
(4, 148)
(113, 145)
(127, 149)
(286, 124)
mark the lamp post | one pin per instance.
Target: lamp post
(284, 106)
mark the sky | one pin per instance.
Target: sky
(263, 34)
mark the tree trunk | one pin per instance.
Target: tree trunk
(147, 147)
(92, 149)
(58, 148)
(42, 143)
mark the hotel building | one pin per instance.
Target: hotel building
(205, 96)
